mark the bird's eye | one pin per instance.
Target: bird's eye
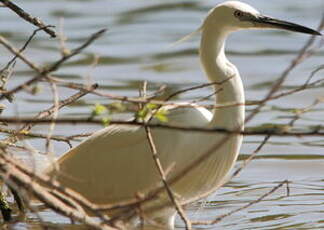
(238, 13)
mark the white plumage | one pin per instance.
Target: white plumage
(116, 163)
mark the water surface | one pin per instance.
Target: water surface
(137, 48)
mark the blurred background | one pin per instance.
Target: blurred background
(138, 47)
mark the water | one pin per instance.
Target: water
(136, 48)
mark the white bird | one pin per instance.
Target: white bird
(116, 163)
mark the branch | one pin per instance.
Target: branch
(166, 102)
(302, 55)
(290, 124)
(7, 70)
(18, 179)
(221, 217)
(48, 112)
(21, 50)
(251, 157)
(44, 72)
(280, 130)
(170, 193)
(34, 135)
(29, 18)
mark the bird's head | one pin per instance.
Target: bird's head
(231, 16)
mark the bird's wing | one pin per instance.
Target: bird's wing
(116, 162)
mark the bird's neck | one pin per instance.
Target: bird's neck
(218, 69)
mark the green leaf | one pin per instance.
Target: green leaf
(161, 115)
(106, 121)
(98, 110)
(142, 113)
(152, 106)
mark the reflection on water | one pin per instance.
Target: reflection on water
(137, 47)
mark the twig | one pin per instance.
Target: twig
(29, 18)
(159, 167)
(197, 87)
(290, 124)
(302, 55)
(221, 217)
(170, 193)
(266, 139)
(167, 102)
(280, 131)
(48, 112)
(251, 157)
(7, 70)
(203, 157)
(17, 179)
(54, 116)
(21, 50)
(19, 54)
(34, 135)
(44, 72)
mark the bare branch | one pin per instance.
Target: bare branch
(302, 55)
(251, 157)
(170, 193)
(29, 18)
(48, 112)
(220, 218)
(44, 72)
(54, 116)
(166, 102)
(34, 135)
(17, 179)
(21, 50)
(275, 131)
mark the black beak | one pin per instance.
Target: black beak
(268, 22)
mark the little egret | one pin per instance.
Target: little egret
(116, 163)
